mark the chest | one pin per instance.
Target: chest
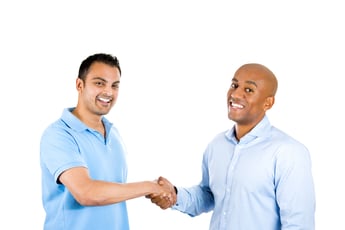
(241, 169)
(105, 160)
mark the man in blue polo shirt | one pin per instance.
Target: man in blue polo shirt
(83, 158)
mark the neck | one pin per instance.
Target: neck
(91, 120)
(241, 131)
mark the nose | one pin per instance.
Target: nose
(234, 93)
(108, 91)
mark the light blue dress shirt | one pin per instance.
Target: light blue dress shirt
(262, 182)
(69, 143)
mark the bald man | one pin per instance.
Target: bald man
(254, 175)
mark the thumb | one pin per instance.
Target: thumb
(161, 180)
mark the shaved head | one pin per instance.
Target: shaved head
(259, 71)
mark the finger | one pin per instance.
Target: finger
(162, 202)
(156, 199)
(162, 180)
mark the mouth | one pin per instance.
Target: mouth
(234, 105)
(104, 99)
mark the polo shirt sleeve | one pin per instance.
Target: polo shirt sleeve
(59, 151)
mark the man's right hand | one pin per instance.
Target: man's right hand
(168, 198)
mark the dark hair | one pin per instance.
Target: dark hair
(99, 57)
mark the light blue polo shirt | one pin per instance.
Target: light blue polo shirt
(69, 143)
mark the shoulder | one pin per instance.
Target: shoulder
(221, 137)
(219, 142)
(57, 134)
(287, 146)
(280, 136)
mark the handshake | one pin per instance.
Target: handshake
(165, 195)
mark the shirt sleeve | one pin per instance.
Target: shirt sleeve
(197, 199)
(295, 188)
(59, 151)
(194, 200)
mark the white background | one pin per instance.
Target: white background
(177, 58)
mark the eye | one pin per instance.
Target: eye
(249, 90)
(99, 83)
(115, 86)
(233, 85)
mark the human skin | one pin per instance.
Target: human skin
(97, 94)
(249, 96)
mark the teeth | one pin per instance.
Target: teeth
(104, 99)
(237, 105)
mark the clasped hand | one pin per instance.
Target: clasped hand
(167, 198)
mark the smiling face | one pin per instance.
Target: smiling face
(250, 95)
(99, 91)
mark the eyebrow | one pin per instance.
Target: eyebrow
(102, 79)
(98, 78)
(248, 82)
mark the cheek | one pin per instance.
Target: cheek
(259, 107)
(116, 93)
(91, 94)
(256, 103)
(228, 94)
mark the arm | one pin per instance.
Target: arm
(198, 198)
(90, 192)
(192, 201)
(295, 190)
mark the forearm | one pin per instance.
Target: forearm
(104, 193)
(194, 201)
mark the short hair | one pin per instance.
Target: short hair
(108, 59)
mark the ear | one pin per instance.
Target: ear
(79, 84)
(269, 102)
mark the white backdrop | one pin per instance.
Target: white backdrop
(177, 58)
